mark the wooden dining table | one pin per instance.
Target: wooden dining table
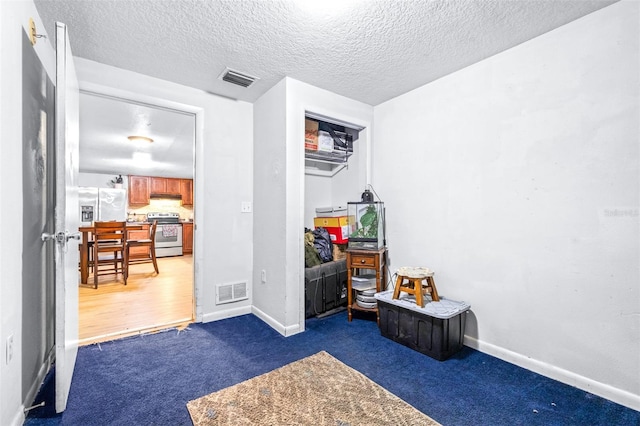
(86, 231)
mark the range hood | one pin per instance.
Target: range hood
(160, 195)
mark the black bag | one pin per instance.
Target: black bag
(323, 244)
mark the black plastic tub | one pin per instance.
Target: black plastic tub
(437, 330)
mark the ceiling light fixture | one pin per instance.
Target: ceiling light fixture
(139, 139)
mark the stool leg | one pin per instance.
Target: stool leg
(434, 292)
(396, 290)
(417, 291)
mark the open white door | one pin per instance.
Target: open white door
(66, 216)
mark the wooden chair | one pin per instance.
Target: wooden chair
(109, 250)
(150, 243)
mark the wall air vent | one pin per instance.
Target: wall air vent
(227, 293)
(237, 78)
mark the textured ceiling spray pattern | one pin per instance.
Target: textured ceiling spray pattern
(373, 51)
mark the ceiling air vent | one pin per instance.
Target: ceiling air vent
(238, 78)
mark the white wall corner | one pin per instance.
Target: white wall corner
(273, 323)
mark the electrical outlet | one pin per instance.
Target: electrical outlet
(9, 348)
(263, 276)
(245, 207)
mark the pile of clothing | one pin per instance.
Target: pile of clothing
(318, 247)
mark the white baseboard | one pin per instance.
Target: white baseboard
(618, 396)
(273, 323)
(227, 313)
(236, 312)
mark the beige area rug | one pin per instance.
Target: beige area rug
(317, 390)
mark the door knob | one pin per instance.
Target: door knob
(73, 236)
(46, 236)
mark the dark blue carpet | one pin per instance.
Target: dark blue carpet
(148, 380)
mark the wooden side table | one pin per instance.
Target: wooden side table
(365, 259)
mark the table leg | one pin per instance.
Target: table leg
(84, 258)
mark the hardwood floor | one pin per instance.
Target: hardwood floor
(149, 302)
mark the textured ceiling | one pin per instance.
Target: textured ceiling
(369, 50)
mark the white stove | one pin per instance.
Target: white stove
(163, 217)
(168, 233)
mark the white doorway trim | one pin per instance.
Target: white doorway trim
(198, 150)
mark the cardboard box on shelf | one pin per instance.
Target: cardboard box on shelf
(310, 135)
(325, 141)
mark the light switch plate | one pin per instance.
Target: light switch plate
(245, 207)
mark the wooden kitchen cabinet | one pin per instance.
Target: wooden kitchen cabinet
(138, 190)
(142, 234)
(163, 185)
(173, 186)
(140, 187)
(157, 185)
(187, 238)
(186, 191)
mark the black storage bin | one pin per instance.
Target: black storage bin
(436, 337)
(325, 287)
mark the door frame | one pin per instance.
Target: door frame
(198, 147)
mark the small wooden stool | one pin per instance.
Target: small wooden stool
(414, 278)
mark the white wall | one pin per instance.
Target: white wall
(14, 19)
(223, 176)
(269, 201)
(516, 180)
(318, 193)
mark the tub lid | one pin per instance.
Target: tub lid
(444, 309)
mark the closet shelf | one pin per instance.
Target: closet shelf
(318, 163)
(335, 157)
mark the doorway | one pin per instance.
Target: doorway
(150, 301)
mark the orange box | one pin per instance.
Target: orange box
(310, 135)
(339, 228)
(333, 222)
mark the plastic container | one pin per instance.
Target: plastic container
(334, 211)
(437, 330)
